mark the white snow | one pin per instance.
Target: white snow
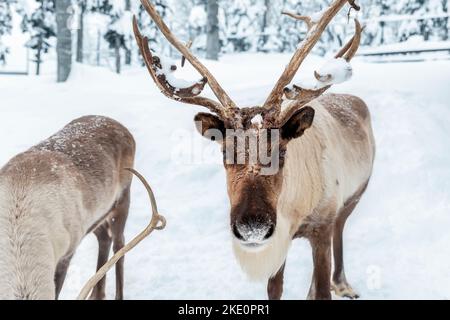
(414, 43)
(197, 17)
(123, 25)
(339, 71)
(257, 120)
(17, 57)
(315, 17)
(166, 64)
(396, 241)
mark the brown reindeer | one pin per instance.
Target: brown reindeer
(324, 155)
(54, 194)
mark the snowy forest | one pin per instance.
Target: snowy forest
(100, 30)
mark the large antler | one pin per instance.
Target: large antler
(315, 29)
(227, 109)
(302, 96)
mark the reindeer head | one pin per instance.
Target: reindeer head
(254, 140)
(254, 156)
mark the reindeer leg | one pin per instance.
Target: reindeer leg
(275, 285)
(340, 285)
(61, 272)
(312, 289)
(119, 219)
(321, 248)
(103, 234)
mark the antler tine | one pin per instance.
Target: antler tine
(351, 47)
(309, 22)
(186, 95)
(183, 58)
(347, 52)
(229, 107)
(354, 5)
(275, 97)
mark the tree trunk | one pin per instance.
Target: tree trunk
(99, 48)
(80, 32)
(117, 51)
(64, 39)
(445, 22)
(212, 30)
(130, 38)
(38, 57)
(265, 23)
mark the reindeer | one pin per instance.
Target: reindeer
(325, 153)
(54, 194)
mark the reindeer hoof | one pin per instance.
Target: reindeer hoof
(344, 290)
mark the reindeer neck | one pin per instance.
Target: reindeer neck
(302, 177)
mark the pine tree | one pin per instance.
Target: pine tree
(197, 22)
(129, 39)
(41, 25)
(115, 36)
(5, 27)
(83, 6)
(148, 27)
(270, 40)
(240, 25)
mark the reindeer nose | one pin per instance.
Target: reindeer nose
(253, 231)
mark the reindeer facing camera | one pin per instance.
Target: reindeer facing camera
(324, 156)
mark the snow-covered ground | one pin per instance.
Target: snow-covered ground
(396, 242)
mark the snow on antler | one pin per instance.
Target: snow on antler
(257, 120)
(167, 69)
(334, 71)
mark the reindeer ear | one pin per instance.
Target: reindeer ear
(210, 126)
(296, 125)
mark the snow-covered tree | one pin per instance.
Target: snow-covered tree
(240, 24)
(115, 36)
(197, 22)
(42, 26)
(82, 8)
(430, 29)
(5, 27)
(174, 21)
